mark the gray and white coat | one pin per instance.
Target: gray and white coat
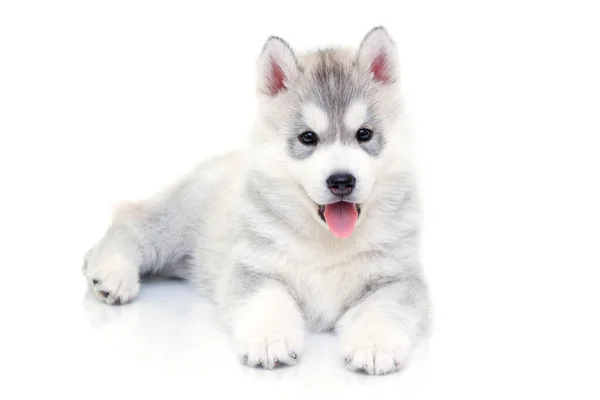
(245, 227)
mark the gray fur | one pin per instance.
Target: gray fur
(332, 82)
(245, 281)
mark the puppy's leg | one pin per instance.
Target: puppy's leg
(143, 238)
(268, 327)
(378, 333)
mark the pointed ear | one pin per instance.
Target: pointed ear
(377, 54)
(277, 66)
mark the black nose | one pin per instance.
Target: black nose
(341, 184)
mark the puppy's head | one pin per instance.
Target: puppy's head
(327, 119)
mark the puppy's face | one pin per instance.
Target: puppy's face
(332, 111)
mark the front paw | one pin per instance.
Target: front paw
(269, 331)
(375, 350)
(269, 350)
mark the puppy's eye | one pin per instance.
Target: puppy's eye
(308, 138)
(364, 135)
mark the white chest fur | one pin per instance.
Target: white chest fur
(325, 284)
(324, 294)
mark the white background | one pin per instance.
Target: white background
(109, 100)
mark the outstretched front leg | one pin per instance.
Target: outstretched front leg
(267, 325)
(378, 333)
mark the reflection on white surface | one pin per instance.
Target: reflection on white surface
(169, 332)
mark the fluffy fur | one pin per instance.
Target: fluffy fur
(245, 227)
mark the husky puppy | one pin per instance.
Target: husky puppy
(313, 227)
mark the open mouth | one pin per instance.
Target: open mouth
(340, 217)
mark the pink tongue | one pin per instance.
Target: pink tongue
(341, 218)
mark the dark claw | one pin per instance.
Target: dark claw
(260, 364)
(95, 281)
(347, 360)
(245, 359)
(276, 363)
(293, 355)
(104, 294)
(363, 368)
(118, 300)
